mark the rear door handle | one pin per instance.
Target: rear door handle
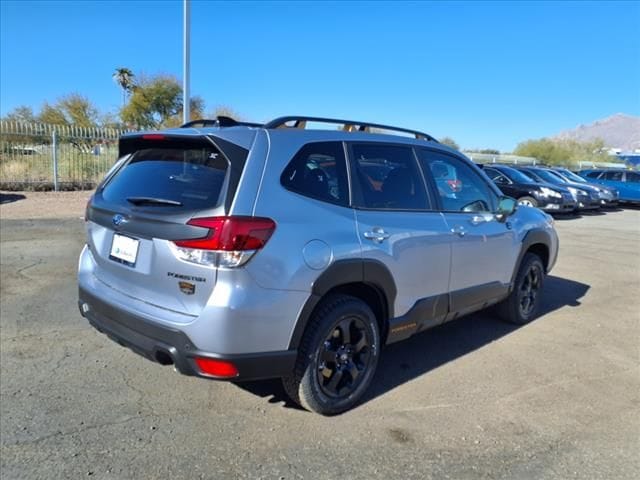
(376, 234)
(459, 231)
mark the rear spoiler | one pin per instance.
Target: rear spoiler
(137, 141)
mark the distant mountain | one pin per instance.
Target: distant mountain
(617, 131)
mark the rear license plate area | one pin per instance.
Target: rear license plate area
(124, 249)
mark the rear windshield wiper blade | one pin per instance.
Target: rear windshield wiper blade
(153, 201)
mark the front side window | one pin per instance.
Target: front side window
(388, 177)
(633, 177)
(496, 176)
(461, 189)
(318, 171)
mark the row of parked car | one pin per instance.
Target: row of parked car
(559, 190)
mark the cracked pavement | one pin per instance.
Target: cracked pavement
(476, 398)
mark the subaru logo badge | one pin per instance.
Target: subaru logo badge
(118, 220)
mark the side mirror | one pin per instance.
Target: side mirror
(506, 207)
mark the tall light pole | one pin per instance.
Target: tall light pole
(186, 30)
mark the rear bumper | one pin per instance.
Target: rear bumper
(171, 346)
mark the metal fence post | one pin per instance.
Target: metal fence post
(54, 158)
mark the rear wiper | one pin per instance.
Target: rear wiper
(153, 201)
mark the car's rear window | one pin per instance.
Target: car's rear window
(192, 176)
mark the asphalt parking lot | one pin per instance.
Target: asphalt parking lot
(476, 398)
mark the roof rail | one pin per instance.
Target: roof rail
(347, 125)
(219, 121)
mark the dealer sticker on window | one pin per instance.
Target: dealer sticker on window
(124, 249)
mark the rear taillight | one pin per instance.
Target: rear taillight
(216, 368)
(229, 241)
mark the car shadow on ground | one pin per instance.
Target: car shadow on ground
(594, 213)
(10, 197)
(405, 361)
(561, 217)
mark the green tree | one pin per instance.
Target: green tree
(124, 77)
(156, 102)
(51, 114)
(450, 142)
(563, 152)
(110, 120)
(73, 109)
(196, 112)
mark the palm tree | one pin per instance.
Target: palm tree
(124, 78)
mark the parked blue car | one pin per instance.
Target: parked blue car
(609, 196)
(626, 181)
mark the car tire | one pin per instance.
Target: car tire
(528, 201)
(523, 303)
(337, 357)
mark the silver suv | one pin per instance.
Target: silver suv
(241, 251)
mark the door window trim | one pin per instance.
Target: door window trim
(357, 200)
(500, 174)
(630, 174)
(490, 186)
(339, 203)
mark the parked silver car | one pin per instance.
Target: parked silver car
(242, 251)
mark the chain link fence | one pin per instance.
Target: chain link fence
(36, 156)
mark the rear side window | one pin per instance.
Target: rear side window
(388, 177)
(318, 171)
(593, 174)
(614, 176)
(190, 176)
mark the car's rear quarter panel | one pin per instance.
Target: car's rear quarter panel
(284, 262)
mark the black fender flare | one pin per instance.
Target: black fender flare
(532, 237)
(343, 272)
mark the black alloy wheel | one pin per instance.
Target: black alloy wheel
(522, 304)
(529, 289)
(344, 355)
(337, 356)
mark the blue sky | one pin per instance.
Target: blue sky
(488, 74)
